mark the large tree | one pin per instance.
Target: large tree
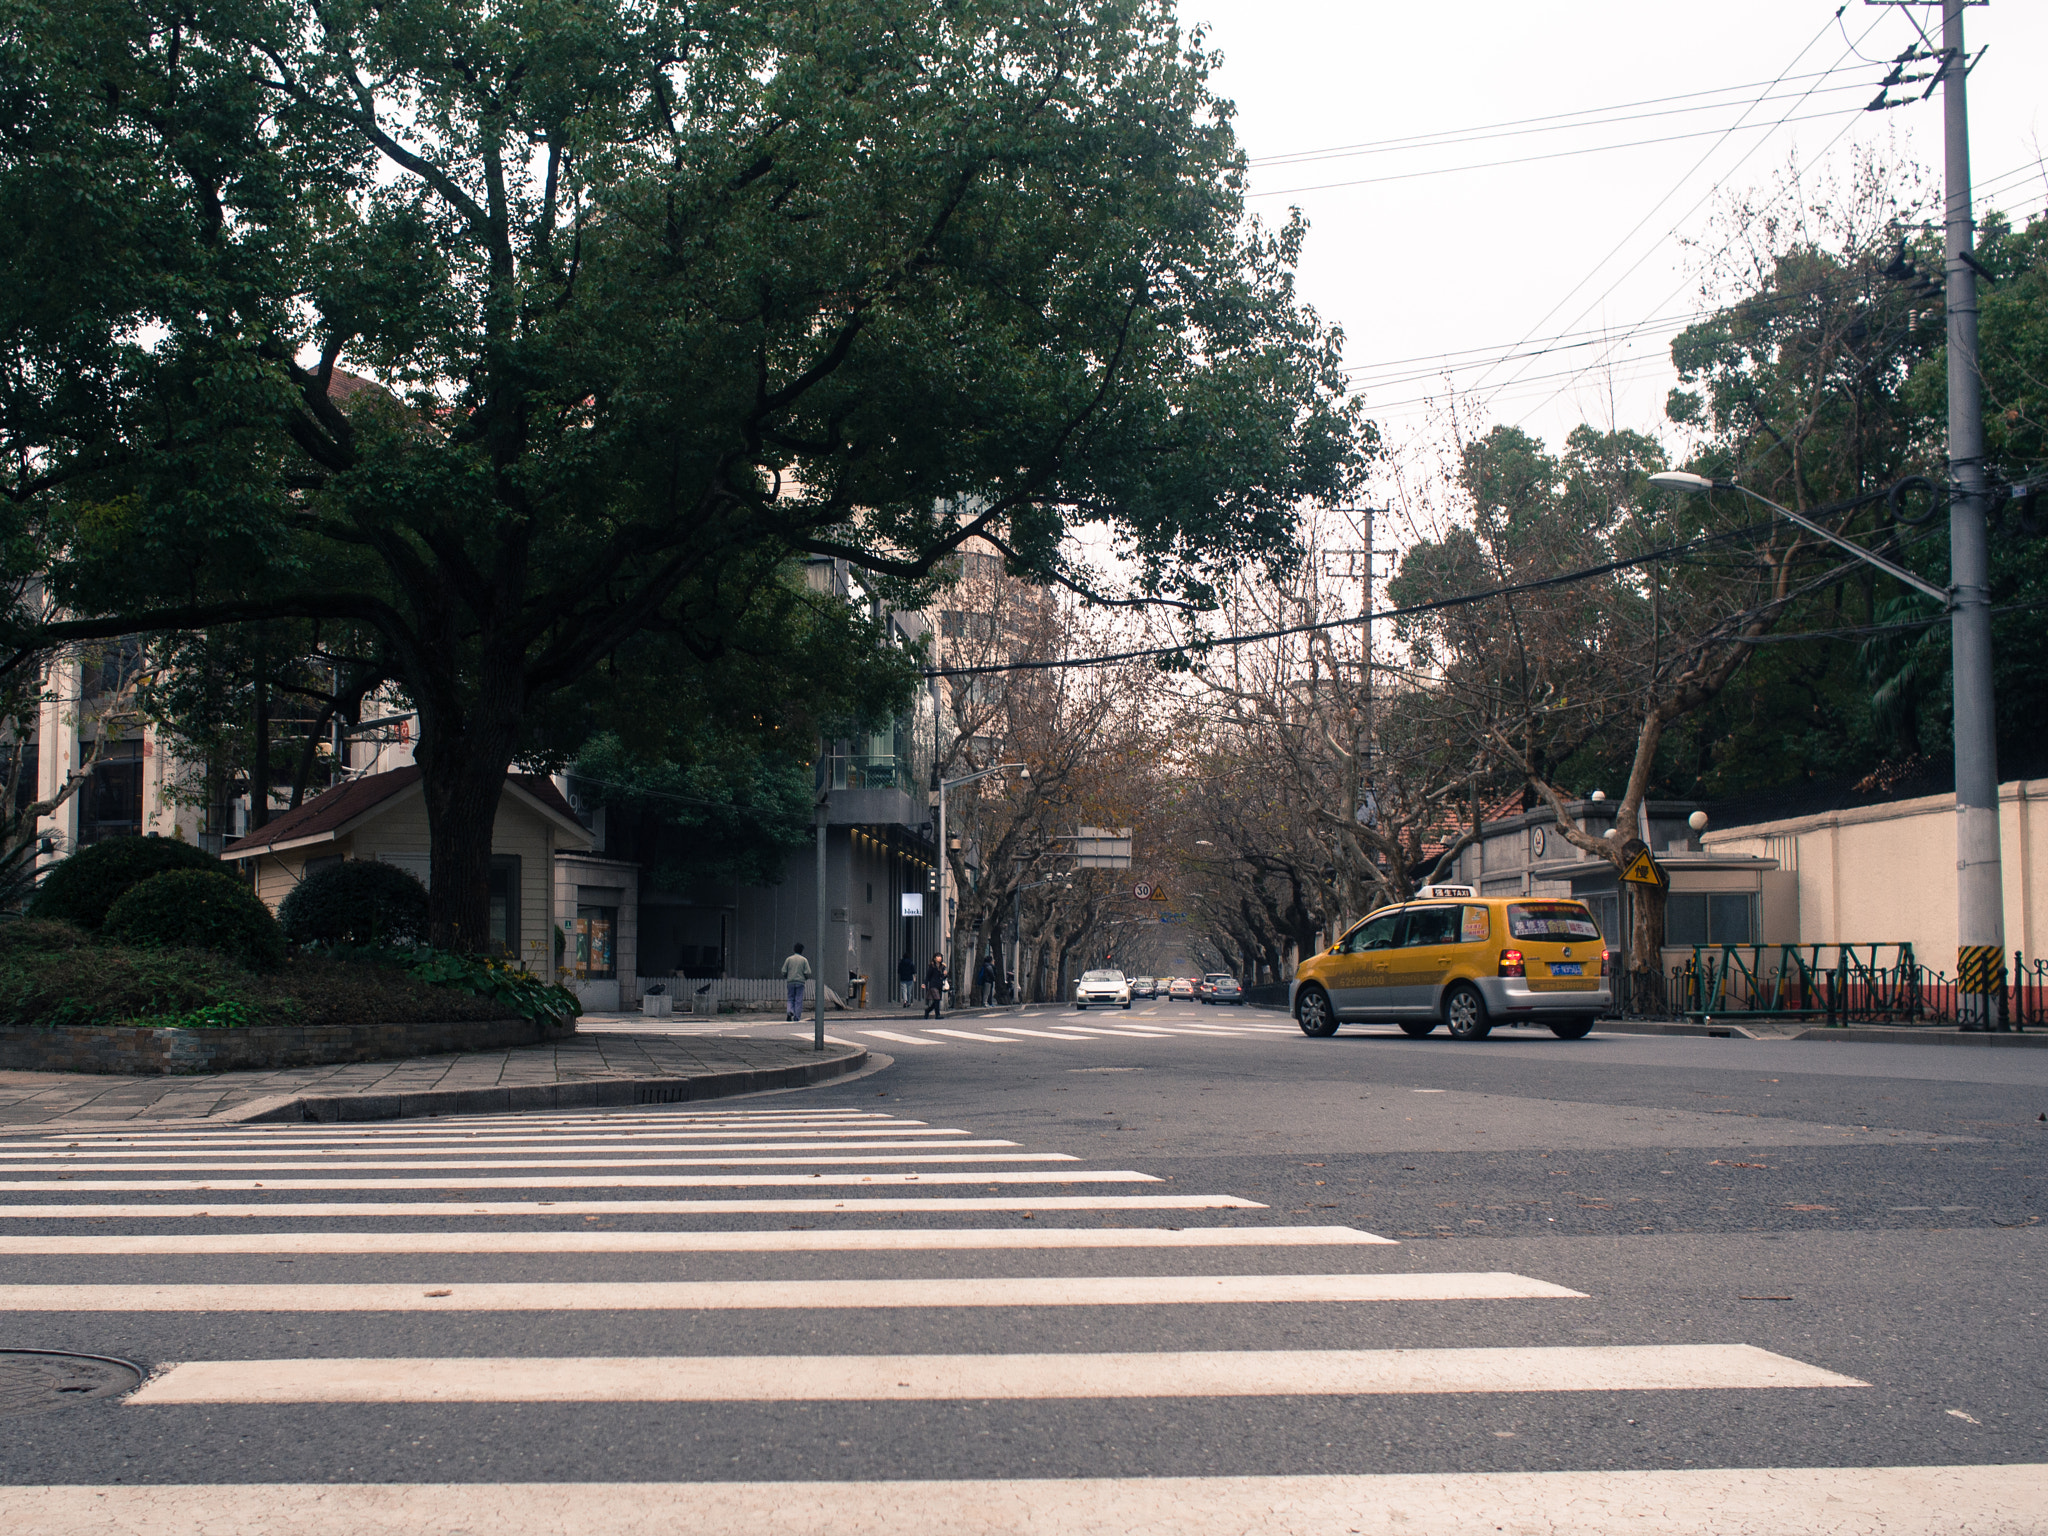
(653, 296)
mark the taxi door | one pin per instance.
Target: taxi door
(1418, 969)
(1357, 972)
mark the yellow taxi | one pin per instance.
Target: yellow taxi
(1462, 960)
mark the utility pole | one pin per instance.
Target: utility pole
(818, 961)
(1980, 914)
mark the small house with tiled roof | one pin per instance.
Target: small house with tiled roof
(384, 816)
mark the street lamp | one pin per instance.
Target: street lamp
(1980, 899)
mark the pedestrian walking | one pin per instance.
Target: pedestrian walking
(906, 977)
(985, 979)
(935, 988)
(796, 970)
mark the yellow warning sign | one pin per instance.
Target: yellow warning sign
(1641, 870)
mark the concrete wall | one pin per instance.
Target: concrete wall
(1887, 873)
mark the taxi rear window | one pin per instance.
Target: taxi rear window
(1551, 920)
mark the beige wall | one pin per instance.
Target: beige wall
(1884, 874)
(399, 833)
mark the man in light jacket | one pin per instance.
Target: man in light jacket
(796, 970)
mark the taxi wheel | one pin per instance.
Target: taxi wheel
(1465, 1013)
(1572, 1029)
(1318, 1020)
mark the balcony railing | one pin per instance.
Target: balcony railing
(889, 771)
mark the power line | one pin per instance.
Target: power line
(1561, 122)
(1690, 172)
(1437, 605)
(1561, 154)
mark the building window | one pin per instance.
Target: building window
(1709, 917)
(111, 802)
(504, 918)
(592, 936)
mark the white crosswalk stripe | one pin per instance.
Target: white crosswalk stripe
(1044, 1024)
(672, 1189)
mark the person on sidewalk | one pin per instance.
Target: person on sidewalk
(796, 970)
(906, 977)
(985, 981)
(935, 988)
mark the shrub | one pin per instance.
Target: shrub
(198, 909)
(83, 888)
(358, 902)
(29, 933)
(516, 990)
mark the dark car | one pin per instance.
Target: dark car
(1224, 989)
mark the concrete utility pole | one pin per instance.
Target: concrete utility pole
(1980, 895)
(818, 960)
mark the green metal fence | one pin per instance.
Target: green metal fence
(1837, 983)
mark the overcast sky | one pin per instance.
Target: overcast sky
(1477, 261)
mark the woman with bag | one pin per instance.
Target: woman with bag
(935, 988)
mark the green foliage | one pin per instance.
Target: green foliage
(356, 902)
(729, 812)
(83, 888)
(505, 985)
(66, 981)
(847, 278)
(198, 909)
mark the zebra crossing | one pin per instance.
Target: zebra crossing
(1033, 1030)
(962, 1270)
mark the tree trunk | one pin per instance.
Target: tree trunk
(1646, 943)
(259, 766)
(462, 775)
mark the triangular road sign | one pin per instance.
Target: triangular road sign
(1641, 870)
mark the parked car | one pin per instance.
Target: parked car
(1144, 986)
(1468, 963)
(1224, 989)
(1183, 986)
(1103, 989)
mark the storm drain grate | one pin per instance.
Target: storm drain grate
(37, 1380)
(679, 1094)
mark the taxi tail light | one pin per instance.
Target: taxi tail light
(1607, 959)
(1511, 963)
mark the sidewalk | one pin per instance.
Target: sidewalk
(583, 1071)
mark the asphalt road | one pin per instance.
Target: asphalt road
(1666, 1284)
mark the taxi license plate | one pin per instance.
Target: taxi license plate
(1573, 968)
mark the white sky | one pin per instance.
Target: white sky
(1481, 259)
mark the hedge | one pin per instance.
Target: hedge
(198, 909)
(357, 902)
(83, 888)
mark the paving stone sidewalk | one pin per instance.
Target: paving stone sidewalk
(56, 1099)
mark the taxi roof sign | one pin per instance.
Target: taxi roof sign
(1641, 870)
(1430, 891)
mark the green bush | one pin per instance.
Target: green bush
(83, 888)
(515, 990)
(113, 984)
(29, 933)
(357, 902)
(198, 909)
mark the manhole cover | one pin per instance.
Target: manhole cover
(35, 1381)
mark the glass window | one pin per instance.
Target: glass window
(592, 937)
(1373, 933)
(1729, 917)
(1551, 920)
(1685, 919)
(1431, 925)
(1477, 926)
(504, 918)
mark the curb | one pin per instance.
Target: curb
(1652, 1027)
(603, 1093)
(1877, 1035)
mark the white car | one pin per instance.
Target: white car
(1108, 989)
